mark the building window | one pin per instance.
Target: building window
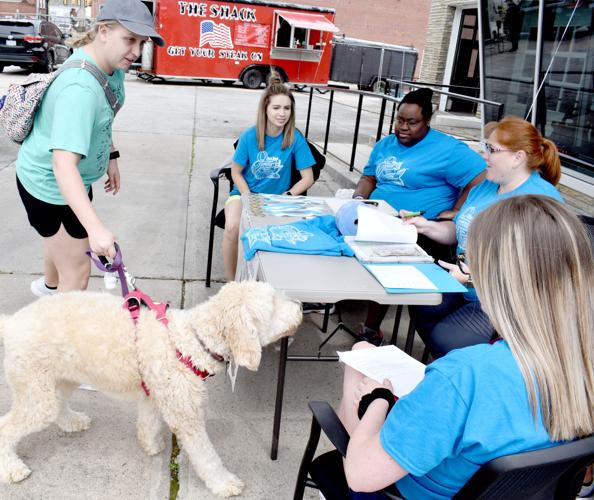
(565, 104)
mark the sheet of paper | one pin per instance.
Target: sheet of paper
(399, 276)
(403, 371)
(336, 203)
(375, 225)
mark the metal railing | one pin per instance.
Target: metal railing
(385, 99)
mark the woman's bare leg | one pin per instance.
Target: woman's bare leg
(231, 236)
(347, 411)
(49, 269)
(67, 254)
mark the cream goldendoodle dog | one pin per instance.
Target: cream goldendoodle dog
(59, 342)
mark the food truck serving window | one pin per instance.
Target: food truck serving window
(298, 30)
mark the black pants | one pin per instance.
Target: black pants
(453, 324)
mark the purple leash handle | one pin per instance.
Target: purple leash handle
(117, 264)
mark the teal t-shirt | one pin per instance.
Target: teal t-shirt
(74, 116)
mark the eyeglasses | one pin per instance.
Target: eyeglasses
(488, 149)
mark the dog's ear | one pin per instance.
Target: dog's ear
(242, 338)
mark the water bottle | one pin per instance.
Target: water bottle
(110, 280)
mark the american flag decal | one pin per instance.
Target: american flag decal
(215, 35)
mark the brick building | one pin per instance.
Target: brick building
(17, 6)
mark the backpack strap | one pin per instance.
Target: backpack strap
(99, 75)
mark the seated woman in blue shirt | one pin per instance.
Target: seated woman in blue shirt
(418, 168)
(533, 269)
(519, 161)
(262, 161)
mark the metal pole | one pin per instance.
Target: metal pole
(356, 136)
(328, 121)
(392, 118)
(537, 60)
(308, 112)
(380, 124)
(381, 67)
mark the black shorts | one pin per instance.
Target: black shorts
(46, 218)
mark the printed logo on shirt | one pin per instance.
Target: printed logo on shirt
(390, 170)
(462, 225)
(266, 167)
(289, 233)
(254, 235)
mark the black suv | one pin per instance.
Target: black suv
(30, 43)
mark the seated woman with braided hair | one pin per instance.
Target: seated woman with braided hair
(533, 267)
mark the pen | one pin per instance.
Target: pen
(413, 214)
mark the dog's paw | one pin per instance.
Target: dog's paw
(74, 421)
(14, 471)
(228, 486)
(153, 447)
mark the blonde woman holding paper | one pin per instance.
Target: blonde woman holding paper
(533, 268)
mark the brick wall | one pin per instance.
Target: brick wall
(24, 7)
(438, 40)
(401, 22)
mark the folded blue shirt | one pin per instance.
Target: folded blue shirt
(317, 236)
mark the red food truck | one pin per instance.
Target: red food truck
(241, 40)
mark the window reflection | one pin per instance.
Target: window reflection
(565, 108)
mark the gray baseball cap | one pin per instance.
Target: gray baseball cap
(132, 15)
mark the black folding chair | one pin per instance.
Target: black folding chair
(549, 474)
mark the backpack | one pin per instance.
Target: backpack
(19, 105)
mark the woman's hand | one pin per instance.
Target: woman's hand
(418, 221)
(101, 241)
(367, 385)
(455, 271)
(112, 184)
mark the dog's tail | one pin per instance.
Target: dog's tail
(3, 319)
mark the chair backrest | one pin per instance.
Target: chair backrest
(554, 473)
(589, 223)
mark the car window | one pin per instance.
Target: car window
(16, 28)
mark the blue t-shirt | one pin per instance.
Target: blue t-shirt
(269, 171)
(471, 407)
(426, 176)
(485, 194)
(316, 236)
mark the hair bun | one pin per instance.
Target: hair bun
(424, 93)
(274, 78)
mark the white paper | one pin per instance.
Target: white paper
(398, 276)
(386, 362)
(375, 225)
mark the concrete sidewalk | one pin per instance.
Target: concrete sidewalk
(170, 137)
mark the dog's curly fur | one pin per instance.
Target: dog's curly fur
(59, 342)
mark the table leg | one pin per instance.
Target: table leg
(278, 406)
(410, 336)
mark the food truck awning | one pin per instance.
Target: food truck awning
(309, 21)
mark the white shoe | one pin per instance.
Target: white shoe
(587, 490)
(40, 289)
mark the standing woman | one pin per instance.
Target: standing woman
(519, 161)
(70, 147)
(263, 159)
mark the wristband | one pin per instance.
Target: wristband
(358, 197)
(288, 193)
(114, 155)
(377, 393)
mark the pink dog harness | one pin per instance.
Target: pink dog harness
(135, 299)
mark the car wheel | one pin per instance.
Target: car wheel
(252, 79)
(49, 63)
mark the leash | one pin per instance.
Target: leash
(135, 298)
